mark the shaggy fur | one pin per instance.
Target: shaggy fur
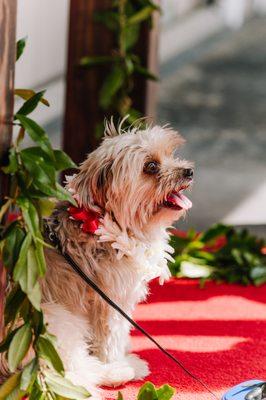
(128, 250)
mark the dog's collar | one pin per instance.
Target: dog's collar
(89, 219)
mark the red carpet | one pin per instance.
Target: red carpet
(218, 332)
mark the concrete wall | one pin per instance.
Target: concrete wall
(43, 64)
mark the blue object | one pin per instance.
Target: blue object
(241, 391)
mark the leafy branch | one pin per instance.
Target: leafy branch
(149, 392)
(222, 253)
(33, 190)
(124, 20)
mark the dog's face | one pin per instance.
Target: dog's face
(136, 176)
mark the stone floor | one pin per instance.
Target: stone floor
(215, 95)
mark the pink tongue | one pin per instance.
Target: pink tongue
(180, 200)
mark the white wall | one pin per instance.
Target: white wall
(43, 64)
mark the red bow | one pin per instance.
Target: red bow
(89, 218)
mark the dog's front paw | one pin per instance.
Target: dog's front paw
(140, 366)
(118, 373)
(128, 369)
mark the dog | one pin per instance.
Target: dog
(133, 182)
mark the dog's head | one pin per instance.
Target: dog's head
(136, 176)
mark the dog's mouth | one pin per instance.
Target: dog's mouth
(177, 200)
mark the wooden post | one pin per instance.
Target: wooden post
(7, 68)
(87, 37)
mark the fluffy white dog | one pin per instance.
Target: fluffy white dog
(132, 188)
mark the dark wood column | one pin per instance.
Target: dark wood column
(7, 69)
(87, 37)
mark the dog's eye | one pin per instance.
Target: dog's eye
(151, 167)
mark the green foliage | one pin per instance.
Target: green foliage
(48, 352)
(222, 253)
(20, 47)
(19, 346)
(31, 103)
(26, 94)
(10, 386)
(33, 176)
(63, 387)
(124, 20)
(149, 392)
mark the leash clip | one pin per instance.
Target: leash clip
(51, 235)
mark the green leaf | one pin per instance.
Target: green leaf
(22, 258)
(30, 104)
(19, 347)
(12, 247)
(111, 85)
(214, 232)
(129, 65)
(64, 387)
(27, 274)
(147, 392)
(131, 36)
(37, 134)
(30, 215)
(46, 207)
(237, 256)
(49, 336)
(27, 94)
(9, 385)
(47, 351)
(120, 396)
(12, 166)
(21, 43)
(39, 167)
(63, 194)
(7, 340)
(165, 392)
(63, 161)
(29, 374)
(40, 259)
(38, 323)
(16, 394)
(36, 392)
(59, 192)
(96, 60)
(35, 296)
(145, 72)
(14, 302)
(141, 15)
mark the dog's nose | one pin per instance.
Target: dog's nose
(188, 173)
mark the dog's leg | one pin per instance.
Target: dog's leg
(120, 365)
(72, 334)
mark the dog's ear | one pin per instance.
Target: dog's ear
(104, 174)
(89, 185)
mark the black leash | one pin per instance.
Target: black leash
(54, 239)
